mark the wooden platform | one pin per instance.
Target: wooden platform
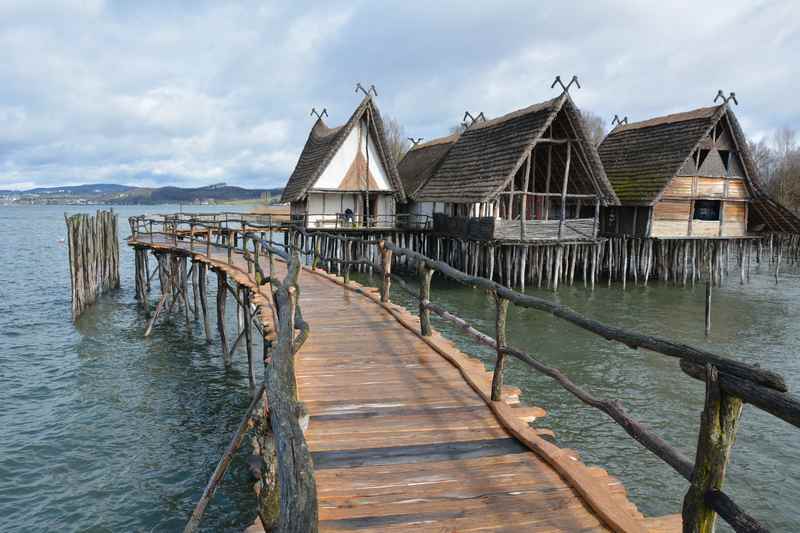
(403, 437)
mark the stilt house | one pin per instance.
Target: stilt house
(531, 175)
(687, 175)
(346, 176)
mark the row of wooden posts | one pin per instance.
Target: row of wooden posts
(93, 245)
(287, 495)
(729, 384)
(625, 260)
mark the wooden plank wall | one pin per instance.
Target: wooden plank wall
(672, 215)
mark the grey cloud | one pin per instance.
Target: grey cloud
(198, 92)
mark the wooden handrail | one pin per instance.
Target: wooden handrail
(295, 479)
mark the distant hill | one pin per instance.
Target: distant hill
(124, 194)
(92, 188)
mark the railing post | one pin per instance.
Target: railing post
(708, 307)
(151, 230)
(228, 243)
(191, 236)
(208, 244)
(256, 266)
(425, 274)
(718, 425)
(501, 317)
(386, 265)
(316, 253)
(347, 253)
(246, 254)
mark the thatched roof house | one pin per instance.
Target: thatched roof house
(687, 175)
(533, 174)
(346, 174)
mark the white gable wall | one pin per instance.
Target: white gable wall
(341, 162)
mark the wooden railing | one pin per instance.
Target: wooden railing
(729, 383)
(358, 221)
(241, 236)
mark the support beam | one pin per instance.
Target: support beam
(203, 281)
(248, 332)
(523, 207)
(564, 191)
(222, 294)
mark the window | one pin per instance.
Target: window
(706, 209)
(725, 155)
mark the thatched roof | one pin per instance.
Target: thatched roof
(323, 143)
(420, 163)
(487, 155)
(641, 158)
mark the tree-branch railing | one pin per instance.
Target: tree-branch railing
(728, 382)
(251, 240)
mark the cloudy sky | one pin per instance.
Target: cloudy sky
(192, 93)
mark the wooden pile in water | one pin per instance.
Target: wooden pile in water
(93, 257)
(550, 265)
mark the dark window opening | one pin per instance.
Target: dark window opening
(725, 155)
(706, 209)
(702, 159)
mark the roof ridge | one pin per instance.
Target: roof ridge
(671, 118)
(439, 140)
(514, 114)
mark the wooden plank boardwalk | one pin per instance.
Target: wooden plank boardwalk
(403, 436)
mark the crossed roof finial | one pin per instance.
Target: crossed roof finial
(619, 122)
(472, 119)
(319, 115)
(566, 87)
(726, 99)
(366, 92)
(415, 141)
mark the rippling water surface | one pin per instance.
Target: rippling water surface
(103, 430)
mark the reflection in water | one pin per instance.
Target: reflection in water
(757, 323)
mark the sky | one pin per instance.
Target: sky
(192, 93)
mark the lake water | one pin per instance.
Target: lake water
(103, 430)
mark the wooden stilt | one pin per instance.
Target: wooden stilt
(203, 293)
(222, 296)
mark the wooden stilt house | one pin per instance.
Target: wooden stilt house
(531, 175)
(346, 177)
(687, 175)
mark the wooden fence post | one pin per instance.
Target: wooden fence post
(229, 242)
(425, 275)
(501, 318)
(386, 265)
(708, 307)
(347, 250)
(718, 425)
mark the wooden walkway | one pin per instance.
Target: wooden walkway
(404, 438)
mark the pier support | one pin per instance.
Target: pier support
(222, 295)
(202, 274)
